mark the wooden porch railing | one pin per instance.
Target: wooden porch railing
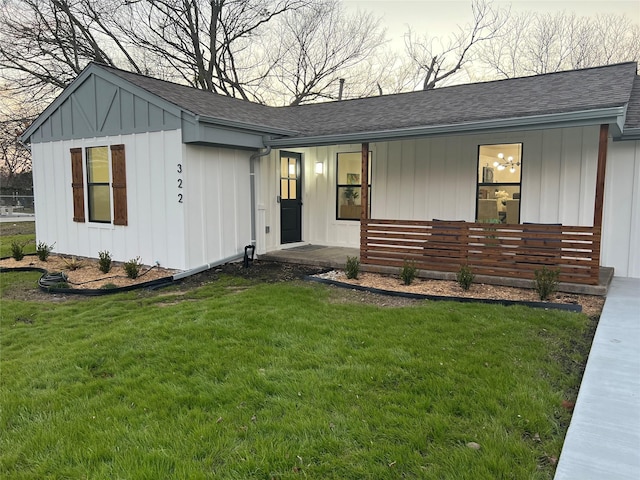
(489, 249)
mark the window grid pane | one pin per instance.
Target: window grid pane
(499, 183)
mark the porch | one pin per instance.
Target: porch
(336, 257)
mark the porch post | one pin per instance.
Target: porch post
(364, 176)
(364, 200)
(599, 201)
(602, 167)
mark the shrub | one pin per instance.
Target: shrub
(43, 251)
(408, 272)
(108, 286)
(104, 261)
(546, 282)
(132, 267)
(465, 277)
(353, 267)
(17, 250)
(72, 263)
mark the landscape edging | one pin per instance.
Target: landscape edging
(151, 284)
(420, 296)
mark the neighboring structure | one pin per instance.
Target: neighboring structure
(142, 167)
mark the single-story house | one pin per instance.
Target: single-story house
(506, 176)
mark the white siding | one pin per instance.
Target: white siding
(319, 224)
(621, 218)
(217, 199)
(155, 219)
(435, 177)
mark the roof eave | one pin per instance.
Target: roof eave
(630, 134)
(263, 129)
(610, 115)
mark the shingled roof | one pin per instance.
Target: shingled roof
(608, 94)
(519, 98)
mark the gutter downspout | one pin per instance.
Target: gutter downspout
(252, 180)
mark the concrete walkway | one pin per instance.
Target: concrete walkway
(603, 440)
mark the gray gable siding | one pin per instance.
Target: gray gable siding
(97, 107)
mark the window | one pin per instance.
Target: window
(98, 188)
(348, 188)
(499, 182)
(104, 165)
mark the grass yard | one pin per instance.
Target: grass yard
(234, 380)
(22, 232)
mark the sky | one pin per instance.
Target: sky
(440, 17)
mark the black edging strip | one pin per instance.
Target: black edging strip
(570, 307)
(151, 284)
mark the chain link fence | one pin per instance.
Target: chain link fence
(16, 204)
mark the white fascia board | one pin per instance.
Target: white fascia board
(611, 115)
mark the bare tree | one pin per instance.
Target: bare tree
(438, 59)
(15, 158)
(214, 45)
(318, 46)
(44, 44)
(534, 43)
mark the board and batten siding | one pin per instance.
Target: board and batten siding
(621, 216)
(319, 224)
(427, 178)
(436, 177)
(217, 201)
(155, 219)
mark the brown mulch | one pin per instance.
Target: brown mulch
(591, 304)
(88, 276)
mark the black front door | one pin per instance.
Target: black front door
(290, 198)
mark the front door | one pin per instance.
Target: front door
(290, 198)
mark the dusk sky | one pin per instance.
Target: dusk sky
(440, 17)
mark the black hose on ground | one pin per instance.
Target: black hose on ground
(53, 279)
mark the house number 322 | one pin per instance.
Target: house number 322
(179, 183)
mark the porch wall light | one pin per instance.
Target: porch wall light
(319, 168)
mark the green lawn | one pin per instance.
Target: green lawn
(22, 232)
(233, 380)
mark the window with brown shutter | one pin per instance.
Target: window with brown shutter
(77, 184)
(119, 185)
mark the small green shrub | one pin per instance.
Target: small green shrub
(43, 251)
(408, 272)
(17, 250)
(546, 282)
(104, 261)
(72, 263)
(132, 267)
(465, 277)
(353, 267)
(108, 286)
(59, 285)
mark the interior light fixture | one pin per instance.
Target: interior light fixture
(503, 163)
(319, 168)
(292, 169)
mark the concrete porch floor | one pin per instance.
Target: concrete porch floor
(336, 257)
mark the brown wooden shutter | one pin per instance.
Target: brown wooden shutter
(77, 184)
(119, 185)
